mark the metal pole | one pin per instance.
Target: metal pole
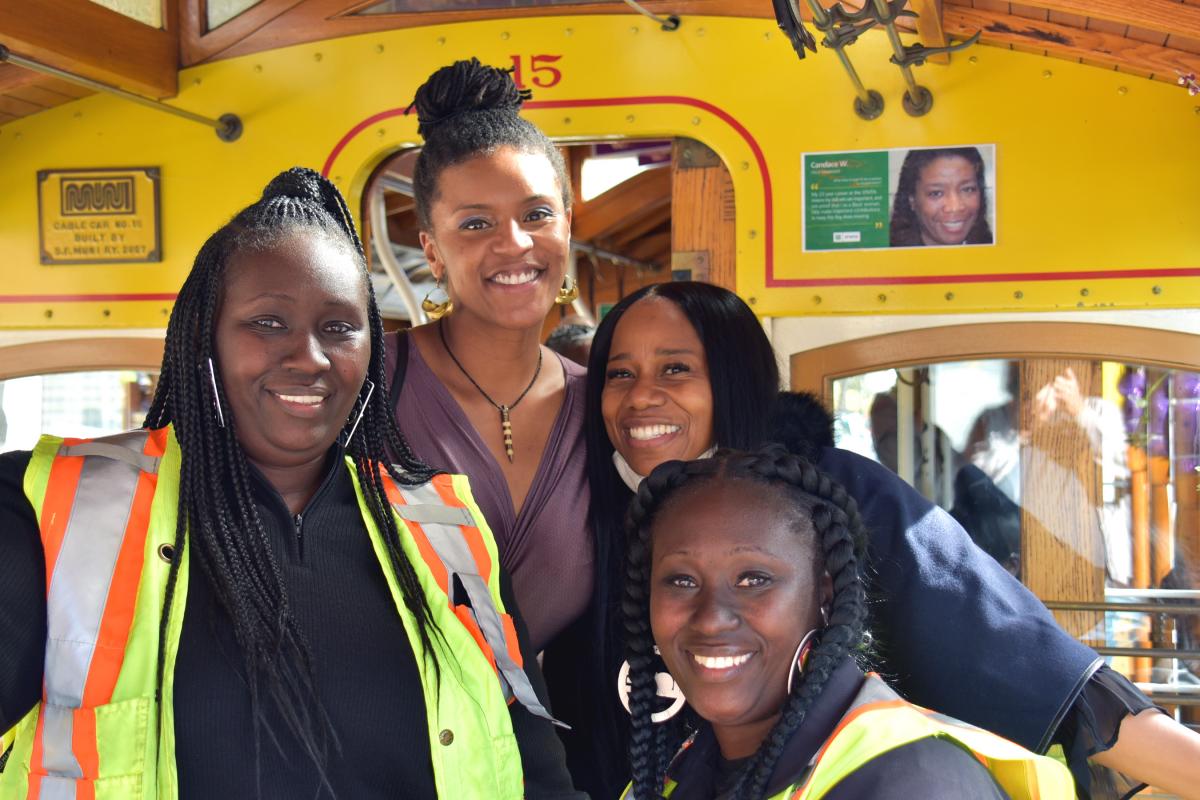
(917, 100)
(869, 103)
(227, 126)
(387, 259)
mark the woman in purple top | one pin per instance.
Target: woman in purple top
(480, 394)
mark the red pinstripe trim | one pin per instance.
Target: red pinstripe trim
(603, 102)
(996, 277)
(85, 298)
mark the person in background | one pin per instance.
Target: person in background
(572, 339)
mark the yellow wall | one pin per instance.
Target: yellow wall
(1097, 171)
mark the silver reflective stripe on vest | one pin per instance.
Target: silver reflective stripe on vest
(425, 507)
(57, 788)
(79, 590)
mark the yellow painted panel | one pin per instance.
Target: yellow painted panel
(1092, 182)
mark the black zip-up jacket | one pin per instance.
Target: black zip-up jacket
(364, 668)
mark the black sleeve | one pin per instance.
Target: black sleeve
(22, 595)
(1091, 726)
(931, 769)
(954, 631)
(542, 757)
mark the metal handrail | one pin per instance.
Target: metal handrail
(1148, 608)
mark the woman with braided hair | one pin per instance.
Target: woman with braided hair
(678, 369)
(475, 390)
(744, 581)
(262, 594)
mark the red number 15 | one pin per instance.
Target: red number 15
(540, 71)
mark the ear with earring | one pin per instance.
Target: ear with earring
(800, 659)
(569, 291)
(369, 385)
(437, 303)
(664, 686)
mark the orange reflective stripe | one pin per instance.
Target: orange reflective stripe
(122, 595)
(468, 620)
(436, 567)
(56, 505)
(483, 561)
(853, 715)
(83, 742)
(510, 640)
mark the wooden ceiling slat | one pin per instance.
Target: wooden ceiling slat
(1094, 47)
(621, 206)
(1144, 35)
(1029, 12)
(39, 95)
(17, 107)
(989, 5)
(1188, 45)
(929, 27)
(1072, 20)
(65, 88)
(1107, 26)
(1167, 16)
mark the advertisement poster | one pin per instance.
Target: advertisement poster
(903, 197)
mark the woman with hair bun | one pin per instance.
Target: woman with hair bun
(475, 390)
(263, 593)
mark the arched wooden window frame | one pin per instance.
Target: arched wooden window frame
(80, 355)
(815, 370)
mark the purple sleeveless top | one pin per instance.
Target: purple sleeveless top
(546, 549)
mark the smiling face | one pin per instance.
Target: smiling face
(657, 400)
(734, 586)
(292, 344)
(946, 200)
(500, 236)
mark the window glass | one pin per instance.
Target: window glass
(145, 11)
(221, 11)
(1077, 476)
(77, 404)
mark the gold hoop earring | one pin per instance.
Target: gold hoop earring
(569, 292)
(437, 306)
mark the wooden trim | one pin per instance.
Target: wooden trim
(87, 39)
(815, 370)
(77, 355)
(929, 27)
(198, 44)
(1068, 42)
(318, 20)
(1164, 16)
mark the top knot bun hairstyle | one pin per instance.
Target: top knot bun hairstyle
(216, 507)
(466, 110)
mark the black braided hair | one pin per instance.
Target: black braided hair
(816, 499)
(216, 506)
(466, 110)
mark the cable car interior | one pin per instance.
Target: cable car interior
(1041, 383)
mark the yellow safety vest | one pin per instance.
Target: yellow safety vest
(107, 509)
(879, 721)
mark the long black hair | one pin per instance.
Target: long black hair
(745, 381)
(905, 227)
(466, 110)
(217, 516)
(821, 506)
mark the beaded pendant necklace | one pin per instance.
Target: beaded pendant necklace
(505, 422)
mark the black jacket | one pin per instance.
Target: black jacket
(364, 667)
